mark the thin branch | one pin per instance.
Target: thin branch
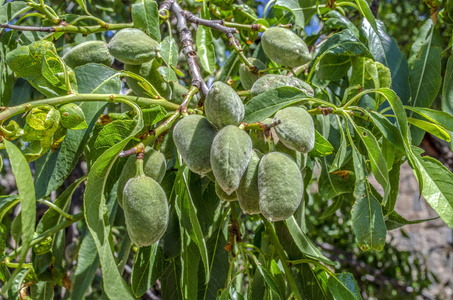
(185, 36)
(70, 28)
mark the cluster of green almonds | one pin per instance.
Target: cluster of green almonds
(215, 146)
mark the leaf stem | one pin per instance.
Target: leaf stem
(283, 257)
(113, 98)
(56, 208)
(45, 234)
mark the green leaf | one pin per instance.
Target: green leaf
(26, 190)
(301, 9)
(266, 104)
(10, 10)
(366, 12)
(394, 178)
(343, 45)
(434, 129)
(231, 67)
(322, 146)
(95, 214)
(377, 160)
(304, 244)
(169, 51)
(447, 91)
(168, 73)
(110, 135)
(205, 47)
(425, 66)
(190, 259)
(336, 204)
(437, 188)
(6, 203)
(17, 279)
(394, 221)
(271, 280)
(385, 50)
(42, 290)
(219, 267)
(425, 77)
(86, 268)
(437, 117)
(189, 221)
(310, 282)
(55, 166)
(368, 221)
(146, 17)
(170, 281)
(337, 21)
(149, 265)
(344, 287)
(7, 43)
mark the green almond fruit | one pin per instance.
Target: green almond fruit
(285, 47)
(154, 166)
(193, 137)
(132, 46)
(223, 106)
(280, 186)
(145, 210)
(273, 81)
(247, 192)
(148, 71)
(296, 129)
(230, 155)
(88, 52)
(224, 196)
(248, 77)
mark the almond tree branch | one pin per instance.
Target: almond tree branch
(185, 36)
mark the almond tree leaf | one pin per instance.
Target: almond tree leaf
(10, 10)
(385, 50)
(26, 191)
(149, 265)
(437, 187)
(322, 146)
(83, 5)
(145, 15)
(425, 77)
(304, 244)
(366, 12)
(266, 104)
(394, 221)
(441, 118)
(301, 9)
(377, 160)
(169, 51)
(432, 128)
(368, 221)
(204, 43)
(344, 287)
(312, 282)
